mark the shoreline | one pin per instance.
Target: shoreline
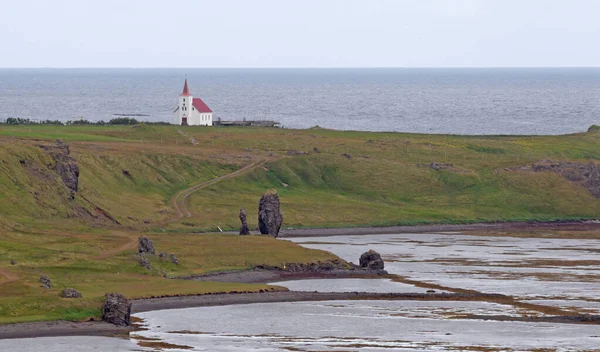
(98, 328)
(67, 328)
(436, 228)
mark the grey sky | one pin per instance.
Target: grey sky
(299, 33)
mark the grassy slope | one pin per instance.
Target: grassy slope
(97, 263)
(387, 180)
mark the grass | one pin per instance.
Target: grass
(96, 264)
(325, 178)
(338, 179)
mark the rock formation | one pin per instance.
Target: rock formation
(144, 262)
(45, 280)
(173, 259)
(145, 246)
(116, 310)
(244, 230)
(585, 174)
(70, 293)
(439, 166)
(162, 255)
(371, 260)
(64, 165)
(269, 216)
(318, 267)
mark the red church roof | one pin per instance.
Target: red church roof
(186, 90)
(200, 105)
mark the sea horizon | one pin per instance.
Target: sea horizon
(458, 100)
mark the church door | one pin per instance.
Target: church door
(184, 121)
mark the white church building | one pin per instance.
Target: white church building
(192, 111)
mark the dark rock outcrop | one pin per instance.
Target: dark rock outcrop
(145, 246)
(144, 262)
(438, 166)
(116, 310)
(269, 215)
(45, 281)
(585, 174)
(65, 165)
(317, 267)
(70, 293)
(173, 259)
(371, 260)
(244, 230)
(162, 255)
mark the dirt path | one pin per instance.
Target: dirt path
(180, 200)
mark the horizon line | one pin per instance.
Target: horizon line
(285, 67)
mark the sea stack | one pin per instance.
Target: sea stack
(269, 215)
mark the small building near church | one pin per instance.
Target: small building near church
(192, 111)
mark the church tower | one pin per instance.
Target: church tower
(185, 105)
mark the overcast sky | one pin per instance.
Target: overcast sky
(299, 33)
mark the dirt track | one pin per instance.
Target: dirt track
(180, 200)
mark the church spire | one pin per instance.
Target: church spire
(186, 90)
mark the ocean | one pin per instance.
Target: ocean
(456, 101)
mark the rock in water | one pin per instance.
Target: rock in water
(45, 280)
(116, 310)
(269, 216)
(371, 260)
(70, 293)
(145, 246)
(244, 230)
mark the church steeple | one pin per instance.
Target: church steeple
(186, 90)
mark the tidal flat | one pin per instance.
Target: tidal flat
(547, 288)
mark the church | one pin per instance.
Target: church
(192, 111)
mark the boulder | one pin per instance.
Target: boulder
(45, 280)
(269, 216)
(145, 246)
(173, 259)
(144, 262)
(162, 255)
(244, 230)
(371, 260)
(70, 293)
(116, 310)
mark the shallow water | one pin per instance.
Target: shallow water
(350, 285)
(531, 268)
(69, 343)
(359, 326)
(534, 270)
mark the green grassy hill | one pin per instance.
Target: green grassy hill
(324, 177)
(129, 176)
